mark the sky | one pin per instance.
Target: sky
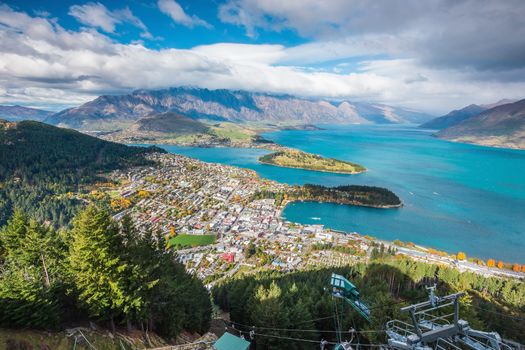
(431, 56)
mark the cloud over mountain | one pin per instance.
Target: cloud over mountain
(352, 51)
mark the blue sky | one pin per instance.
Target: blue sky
(431, 56)
(165, 31)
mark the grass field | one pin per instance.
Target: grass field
(184, 241)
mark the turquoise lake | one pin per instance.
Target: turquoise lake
(457, 197)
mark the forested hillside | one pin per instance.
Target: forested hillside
(293, 304)
(40, 164)
(100, 271)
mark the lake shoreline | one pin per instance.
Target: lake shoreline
(418, 251)
(449, 189)
(386, 206)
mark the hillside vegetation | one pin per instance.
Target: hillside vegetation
(302, 300)
(100, 271)
(291, 158)
(174, 128)
(40, 164)
(369, 196)
(351, 194)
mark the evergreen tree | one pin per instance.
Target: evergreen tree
(97, 268)
(140, 255)
(14, 233)
(29, 289)
(110, 270)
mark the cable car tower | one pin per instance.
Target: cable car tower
(345, 290)
(434, 326)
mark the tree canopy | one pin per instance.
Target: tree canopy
(99, 270)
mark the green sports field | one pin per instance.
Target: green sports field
(184, 241)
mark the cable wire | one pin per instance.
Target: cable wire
(315, 341)
(304, 330)
(498, 313)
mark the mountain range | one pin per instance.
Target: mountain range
(110, 113)
(17, 113)
(197, 116)
(459, 115)
(454, 117)
(500, 126)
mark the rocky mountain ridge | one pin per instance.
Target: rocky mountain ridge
(227, 105)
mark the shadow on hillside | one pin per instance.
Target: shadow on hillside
(281, 300)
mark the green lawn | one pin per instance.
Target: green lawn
(184, 241)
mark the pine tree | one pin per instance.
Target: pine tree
(14, 232)
(29, 291)
(140, 256)
(98, 270)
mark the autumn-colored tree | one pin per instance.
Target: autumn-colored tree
(491, 263)
(500, 264)
(516, 268)
(143, 194)
(120, 204)
(461, 256)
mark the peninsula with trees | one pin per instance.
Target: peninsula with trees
(367, 196)
(364, 196)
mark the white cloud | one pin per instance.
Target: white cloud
(99, 16)
(94, 15)
(41, 62)
(178, 15)
(253, 54)
(486, 35)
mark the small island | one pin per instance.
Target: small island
(291, 158)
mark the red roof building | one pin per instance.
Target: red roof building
(229, 257)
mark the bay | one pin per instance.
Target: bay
(457, 197)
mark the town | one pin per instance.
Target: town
(212, 214)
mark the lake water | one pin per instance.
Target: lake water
(457, 197)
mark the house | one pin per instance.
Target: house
(278, 263)
(230, 342)
(229, 257)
